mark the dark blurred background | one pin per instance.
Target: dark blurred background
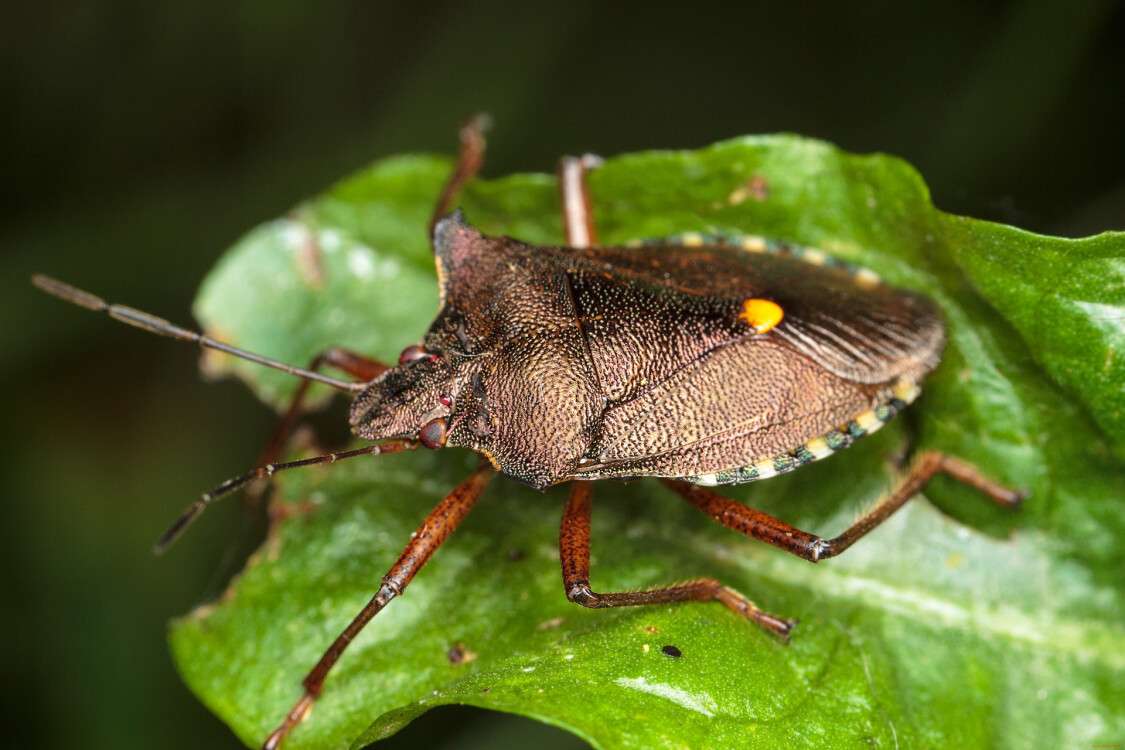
(140, 139)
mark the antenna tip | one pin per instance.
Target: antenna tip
(65, 291)
(45, 283)
(176, 530)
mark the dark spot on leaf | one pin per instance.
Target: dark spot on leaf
(308, 256)
(757, 188)
(672, 651)
(516, 554)
(459, 654)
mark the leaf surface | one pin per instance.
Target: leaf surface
(954, 624)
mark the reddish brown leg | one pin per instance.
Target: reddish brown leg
(574, 552)
(577, 211)
(437, 527)
(469, 161)
(358, 366)
(768, 529)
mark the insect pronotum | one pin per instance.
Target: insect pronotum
(698, 360)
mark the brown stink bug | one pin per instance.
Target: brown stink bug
(701, 361)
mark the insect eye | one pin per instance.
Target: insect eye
(445, 401)
(411, 353)
(433, 433)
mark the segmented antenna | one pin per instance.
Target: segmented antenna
(161, 327)
(180, 525)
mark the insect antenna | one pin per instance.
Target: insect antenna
(161, 327)
(192, 512)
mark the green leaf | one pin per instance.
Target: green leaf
(967, 626)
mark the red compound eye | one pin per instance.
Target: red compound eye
(411, 353)
(433, 433)
(445, 401)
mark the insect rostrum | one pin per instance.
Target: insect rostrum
(699, 360)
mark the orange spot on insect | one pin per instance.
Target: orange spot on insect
(761, 314)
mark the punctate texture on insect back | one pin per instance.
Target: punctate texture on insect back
(605, 362)
(954, 624)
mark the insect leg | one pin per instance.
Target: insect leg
(435, 529)
(358, 366)
(574, 552)
(924, 468)
(469, 161)
(766, 528)
(577, 210)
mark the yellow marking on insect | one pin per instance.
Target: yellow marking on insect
(905, 390)
(818, 447)
(869, 422)
(867, 278)
(754, 244)
(814, 256)
(441, 279)
(765, 469)
(691, 239)
(761, 314)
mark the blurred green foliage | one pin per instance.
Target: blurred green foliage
(140, 139)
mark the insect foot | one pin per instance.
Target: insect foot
(574, 554)
(580, 593)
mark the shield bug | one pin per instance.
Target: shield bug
(699, 360)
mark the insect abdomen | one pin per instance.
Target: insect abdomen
(842, 356)
(866, 423)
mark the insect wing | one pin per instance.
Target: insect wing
(692, 388)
